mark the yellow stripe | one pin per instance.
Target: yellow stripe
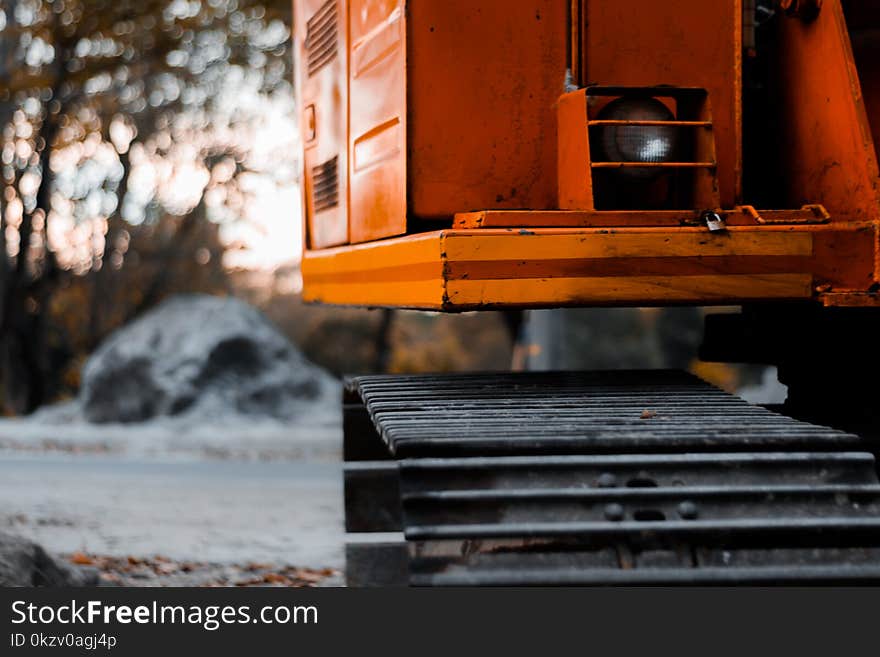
(397, 252)
(407, 294)
(630, 289)
(539, 246)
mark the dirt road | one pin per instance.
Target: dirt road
(217, 511)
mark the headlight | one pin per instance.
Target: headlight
(637, 143)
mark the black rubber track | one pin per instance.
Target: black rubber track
(606, 478)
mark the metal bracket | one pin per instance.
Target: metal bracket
(806, 10)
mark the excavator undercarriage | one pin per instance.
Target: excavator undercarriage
(597, 478)
(495, 155)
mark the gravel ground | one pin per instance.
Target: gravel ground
(164, 571)
(178, 518)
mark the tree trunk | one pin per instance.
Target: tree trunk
(171, 250)
(26, 296)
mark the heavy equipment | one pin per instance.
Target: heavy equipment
(466, 155)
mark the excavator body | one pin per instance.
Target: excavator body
(466, 155)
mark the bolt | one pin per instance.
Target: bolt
(688, 510)
(614, 512)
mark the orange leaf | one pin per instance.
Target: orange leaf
(81, 559)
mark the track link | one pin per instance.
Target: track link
(597, 478)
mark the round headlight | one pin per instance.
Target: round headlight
(637, 143)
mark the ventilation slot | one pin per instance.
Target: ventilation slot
(325, 179)
(321, 37)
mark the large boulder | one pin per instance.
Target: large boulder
(198, 354)
(24, 563)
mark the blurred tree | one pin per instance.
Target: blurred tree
(121, 119)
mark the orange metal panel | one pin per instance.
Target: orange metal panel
(846, 259)
(451, 108)
(399, 272)
(561, 244)
(629, 290)
(851, 300)
(825, 139)
(458, 270)
(742, 216)
(377, 125)
(863, 21)
(574, 178)
(689, 43)
(453, 113)
(484, 78)
(322, 88)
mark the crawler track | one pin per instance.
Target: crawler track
(597, 478)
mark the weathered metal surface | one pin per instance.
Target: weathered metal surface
(320, 37)
(821, 124)
(615, 478)
(422, 86)
(692, 510)
(360, 442)
(380, 560)
(377, 118)
(372, 497)
(591, 265)
(638, 471)
(419, 116)
(687, 43)
(744, 215)
(574, 412)
(569, 571)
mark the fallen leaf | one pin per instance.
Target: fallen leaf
(165, 568)
(257, 566)
(310, 576)
(81, 559)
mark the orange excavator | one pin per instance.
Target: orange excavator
(466, 155)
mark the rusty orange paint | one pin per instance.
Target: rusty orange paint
(825, 138)
(323, 94)
(574, 178)
(458, 270)
(377, 152)
(454, 114)
(740, 216)
(687, 43)
(484, 78)
(442, 113)
(863, 22)
(401, 272)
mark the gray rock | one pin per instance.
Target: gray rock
(198, 354)
(24, 563)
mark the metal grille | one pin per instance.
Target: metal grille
(325, 181)
(322, 37)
